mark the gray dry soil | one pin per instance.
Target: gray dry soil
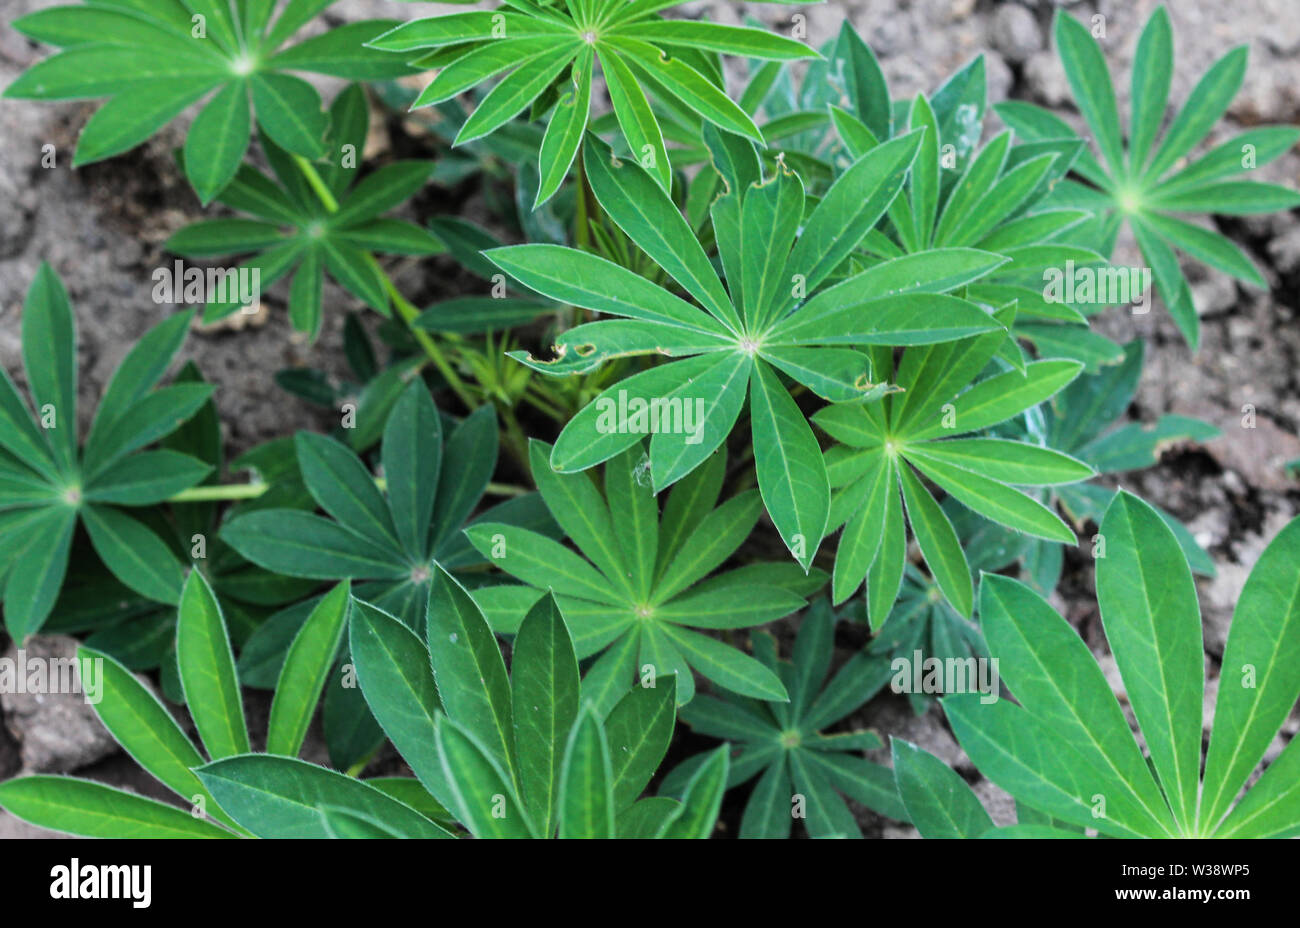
(102, 227)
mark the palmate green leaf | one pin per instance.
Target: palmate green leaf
(93, 810)
(278, 797)
(601, 612)
(301, 544)
(785, 738)
(893, 303)
(980, 473)
(342, 242)
(394, 671)
(207, 673)
(1153, 179)
(639, 55)
(306, 668)
(146, 58)
(1067, 751)
(50, 475)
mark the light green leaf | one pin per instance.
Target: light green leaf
(207, 672)
(306, 668)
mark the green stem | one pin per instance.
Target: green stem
(216, 492)
(515, 435)
(317, 184)
(409, 313)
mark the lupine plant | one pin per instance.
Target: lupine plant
(638, 597)
(773, 365)
(1065, 749)
(887, 447)
(785, 740)
(154, 58)
(50, 482)
(314, 222)
(1145, 182)
(548, 54)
